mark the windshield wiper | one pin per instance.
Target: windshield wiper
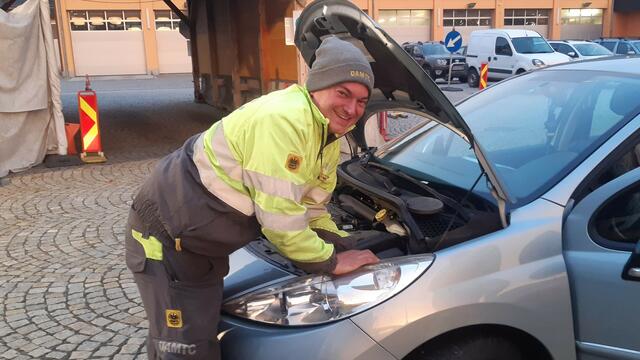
(367, 155)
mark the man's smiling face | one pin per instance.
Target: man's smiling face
(343, 104)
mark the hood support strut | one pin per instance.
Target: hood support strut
(177, 11)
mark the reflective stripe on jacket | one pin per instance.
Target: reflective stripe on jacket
(271, 158)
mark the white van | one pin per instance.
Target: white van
(508, 52)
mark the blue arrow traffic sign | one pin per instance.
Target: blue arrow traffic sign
(453, 41)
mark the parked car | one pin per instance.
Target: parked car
(580, 50)
(620, 46)
(462, 51)
(507, 226)
(434, 59)
(508, 52)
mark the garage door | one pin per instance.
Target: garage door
(466, 21)
(173, 52)
(528, 19)
(107, 42)
(583, 24)
(406, 25)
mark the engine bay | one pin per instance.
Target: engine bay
(393, 214)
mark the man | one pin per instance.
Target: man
(269, 165)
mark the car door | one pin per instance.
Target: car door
(602, 254)
(501, 65)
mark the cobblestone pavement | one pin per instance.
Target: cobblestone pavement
(65, 291)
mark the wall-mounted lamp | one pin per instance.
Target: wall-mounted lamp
(586, 4)
(472, 5)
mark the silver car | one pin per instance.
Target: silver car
(508, 225)
(580, 50)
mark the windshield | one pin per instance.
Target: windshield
(533, 129)
(636, 44)
(434, 49)
(591, 50)
(531, 45)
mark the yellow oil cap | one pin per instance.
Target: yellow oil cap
(380, 215)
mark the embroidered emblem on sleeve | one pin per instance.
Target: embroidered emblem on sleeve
(293, 162)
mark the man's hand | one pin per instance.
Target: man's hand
(350, 260)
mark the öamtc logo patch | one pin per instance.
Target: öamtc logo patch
(174, 318)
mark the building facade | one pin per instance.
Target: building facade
(120, 37)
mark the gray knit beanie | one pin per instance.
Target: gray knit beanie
(338, 61)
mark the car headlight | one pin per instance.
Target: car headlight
(316, 299)
(537, 62)
(441, 62)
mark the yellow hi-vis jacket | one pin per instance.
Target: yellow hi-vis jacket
(271, 158)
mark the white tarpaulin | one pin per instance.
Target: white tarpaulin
(31, 121)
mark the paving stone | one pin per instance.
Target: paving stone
(19, 323)
(100, 322)
(106, 351)
(103, 336)
(120, 339)
(90, 330)
(123, 357)
(27, 329)
(88, 345)
(80, 355)
(130, 349)
(39, 352)
(52, 343)
(56, 355)
(10, 354)
(66, 348)
(77, 339)
(64, 334)
(116, 327)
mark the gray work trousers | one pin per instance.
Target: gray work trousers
(181, 295)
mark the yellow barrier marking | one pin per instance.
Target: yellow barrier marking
(88, 110)
(483, 72)
(93, 132)
(90, 136)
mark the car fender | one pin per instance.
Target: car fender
(523, 63)
(494, 279)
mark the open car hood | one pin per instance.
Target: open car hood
(399, 80)
(400, 83)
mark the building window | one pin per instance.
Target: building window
(526, 17)
(413, 17)
(105, 20)
(581, 16)
(166, 20)
(467, 17)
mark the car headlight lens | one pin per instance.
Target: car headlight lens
(316, 299)
(537, 62)
(441, 62)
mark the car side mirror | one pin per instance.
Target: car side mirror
(631, 270)
(572, 54)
